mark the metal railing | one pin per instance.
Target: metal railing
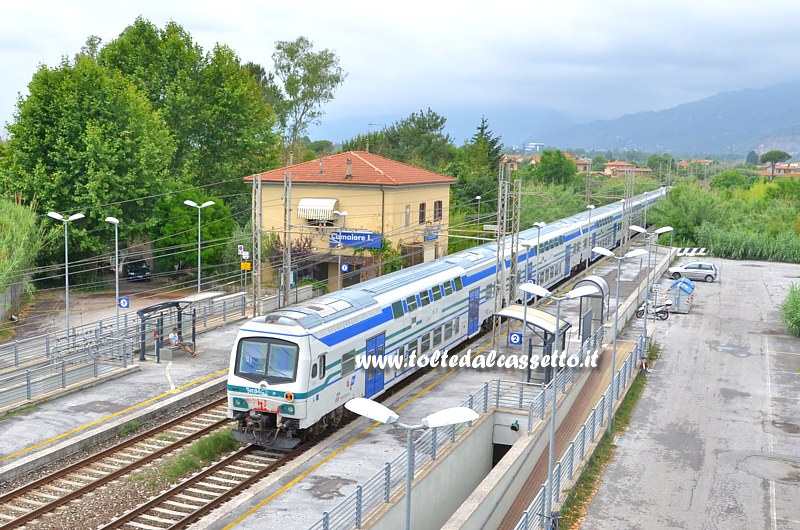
(91, 362)
(576, 453)
(378, 489)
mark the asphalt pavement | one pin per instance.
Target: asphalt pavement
(715, 440)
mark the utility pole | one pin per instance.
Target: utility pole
(286, 288)
(630, 182)
(514, 204)
(500, 275)
(257, 245)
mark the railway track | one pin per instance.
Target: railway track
(195, 497)
(40, 497)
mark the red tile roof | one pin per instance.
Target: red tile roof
(366, 169)
(617, 163)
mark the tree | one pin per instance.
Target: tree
(555, 168)
(774, 157)
(213, 105)
(730, 179)
(599, 163)
(475, 166)
(82, 138)
(752, 158)
(483, 139)
(308, 81)
(178, 233)
(419, 140)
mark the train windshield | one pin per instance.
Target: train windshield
(273, 360)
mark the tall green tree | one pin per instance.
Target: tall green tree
(774, 157)
(555, 168)
(419, 140)
(752, 158)
(85, 137)
(476, 166)
(212, 104)
(484, 139)
(308, 80)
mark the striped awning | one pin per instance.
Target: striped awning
(317, 209)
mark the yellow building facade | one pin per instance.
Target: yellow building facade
(345, 207)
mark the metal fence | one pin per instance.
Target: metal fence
(576, 453)
(378, 489)
(90, 363)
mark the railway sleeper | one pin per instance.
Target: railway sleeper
(169, 512)
(212, 486)
(181, 505)
(157, 519)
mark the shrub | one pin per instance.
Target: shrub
(790, 310)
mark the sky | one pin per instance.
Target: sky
(584, 59)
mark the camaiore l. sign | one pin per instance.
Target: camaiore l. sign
(355, 239)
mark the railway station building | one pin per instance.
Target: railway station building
(347, 209)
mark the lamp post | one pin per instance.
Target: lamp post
(632, 254)
(200, 207)
(538, 290)
(114, 221)
(478, 197)
(342, 215)
(589, 207)
(649, 236)
(66, 221)
(377, 412)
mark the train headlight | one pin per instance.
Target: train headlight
(240, 403)
(287, 409)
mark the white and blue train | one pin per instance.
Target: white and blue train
(292, 370)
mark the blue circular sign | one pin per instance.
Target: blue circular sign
(345, 267)
(514, 338)
(124, 303)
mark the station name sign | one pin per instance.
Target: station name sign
(355, 239)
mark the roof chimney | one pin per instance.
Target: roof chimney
(349, 173)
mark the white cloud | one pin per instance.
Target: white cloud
(584, 58)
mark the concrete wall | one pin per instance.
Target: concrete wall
(488, 504)
(444, 485)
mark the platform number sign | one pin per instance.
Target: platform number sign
(345, 267)
(514, 338)
(124, 303)
(240, 249)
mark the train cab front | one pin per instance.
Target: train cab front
(262, 385)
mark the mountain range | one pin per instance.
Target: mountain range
(733, 122)
(728, 123)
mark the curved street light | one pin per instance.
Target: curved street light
(114, 221)
(538, 290)
(650, 237)
(66, 220)
(200, 207)
(377, 412)
(632, 254)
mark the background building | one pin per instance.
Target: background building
(345, 207)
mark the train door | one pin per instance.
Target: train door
(374, 381)
(567, 253)
(474, 310)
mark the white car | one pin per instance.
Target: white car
(694, 270)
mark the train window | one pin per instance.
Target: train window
(448, 330)
(322, 365)
(489, 291)
(424, 298)
(448, 288)
(412, 348)
(455, 325)
(412, 303)
(262, 358)
(437, 336)
(313, 370)
(348, 363)
(437, 293)
(458, 283)
(397, 309)
(426, 343)
(401, 352)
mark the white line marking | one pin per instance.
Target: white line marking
(169, 377)
(772, 509)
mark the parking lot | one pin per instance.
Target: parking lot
(715, 440)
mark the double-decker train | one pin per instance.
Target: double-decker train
(292, 370)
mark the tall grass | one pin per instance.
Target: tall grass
(790, 310)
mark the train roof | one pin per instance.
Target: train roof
(333, 306)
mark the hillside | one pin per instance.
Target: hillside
(729, 122)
